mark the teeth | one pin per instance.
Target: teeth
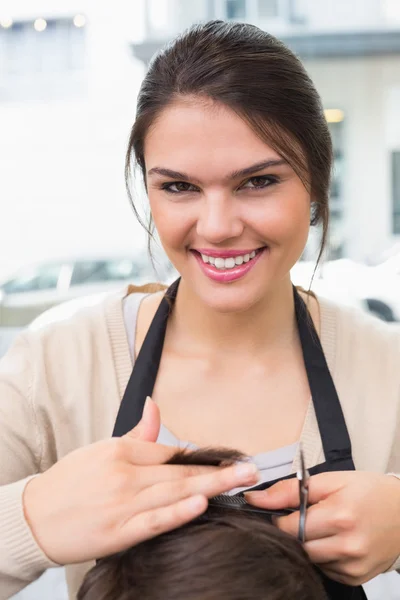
(228, 263)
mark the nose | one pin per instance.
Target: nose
(219, 219)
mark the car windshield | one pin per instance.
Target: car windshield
(34, 279)
(86, 272)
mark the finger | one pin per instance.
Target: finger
(209, 484)
(325, 551)
(148, 476)
(148, 427)
(138, 452)
(320, 522)
(285, 494)
(160, 520)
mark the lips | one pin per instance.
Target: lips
(228, 265)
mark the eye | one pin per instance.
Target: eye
(259, 183)
(178, 187)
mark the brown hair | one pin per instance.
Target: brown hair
(257, 76)
(224, 554)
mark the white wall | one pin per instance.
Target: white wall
(61, 161)
(364, 90)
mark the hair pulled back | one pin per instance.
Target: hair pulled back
(258, 77)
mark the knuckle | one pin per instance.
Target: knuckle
(344, 520)
(153, 523)
(115, 449)
(191, 471)
(356, 548)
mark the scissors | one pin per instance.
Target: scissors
(303, 477)
(238, 501)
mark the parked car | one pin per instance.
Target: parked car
(36, 288)
(304, 274)
(377, 287)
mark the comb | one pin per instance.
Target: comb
(223, 501)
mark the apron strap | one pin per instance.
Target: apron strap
(331, 422)
(143, 377)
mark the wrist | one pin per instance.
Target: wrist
(32, 505)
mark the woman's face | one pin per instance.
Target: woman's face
(231, 214)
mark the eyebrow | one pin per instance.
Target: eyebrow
(276, 162)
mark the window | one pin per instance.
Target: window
(396, 191)
(235, 9)
(59, 46)
(336, 238)
(35, 279)
(336, 131)
(254, 10)
(87, 272)
(268, 9)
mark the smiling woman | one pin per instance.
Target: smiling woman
(236, 158)
(223, 193)
(229, 159)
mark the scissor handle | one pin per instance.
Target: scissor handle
(303, 510)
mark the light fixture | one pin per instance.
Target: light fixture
(334, 115)
(79, 20)
(40, 24)
(6, 22)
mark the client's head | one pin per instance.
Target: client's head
(225, 554)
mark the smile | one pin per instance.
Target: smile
(227, 266)
(230, 262)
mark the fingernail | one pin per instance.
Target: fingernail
(147, 402)
(246, 471)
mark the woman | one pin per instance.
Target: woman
(236, 157)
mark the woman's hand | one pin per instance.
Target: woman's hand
(113, 494)
(353, 527)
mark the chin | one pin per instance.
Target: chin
(231, 298)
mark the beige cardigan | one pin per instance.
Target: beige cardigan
(61, 386)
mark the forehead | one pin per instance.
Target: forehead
(200, 136)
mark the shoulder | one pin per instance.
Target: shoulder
(356, 332)
(90, 329)
(363, 355)
(82, 314)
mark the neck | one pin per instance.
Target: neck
(269, 324)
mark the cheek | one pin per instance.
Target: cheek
(173, 224)
(286, 217)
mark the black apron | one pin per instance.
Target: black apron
(332, 427)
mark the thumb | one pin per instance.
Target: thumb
(148, 428)
(285, 494)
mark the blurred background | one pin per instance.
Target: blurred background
(70, 71)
